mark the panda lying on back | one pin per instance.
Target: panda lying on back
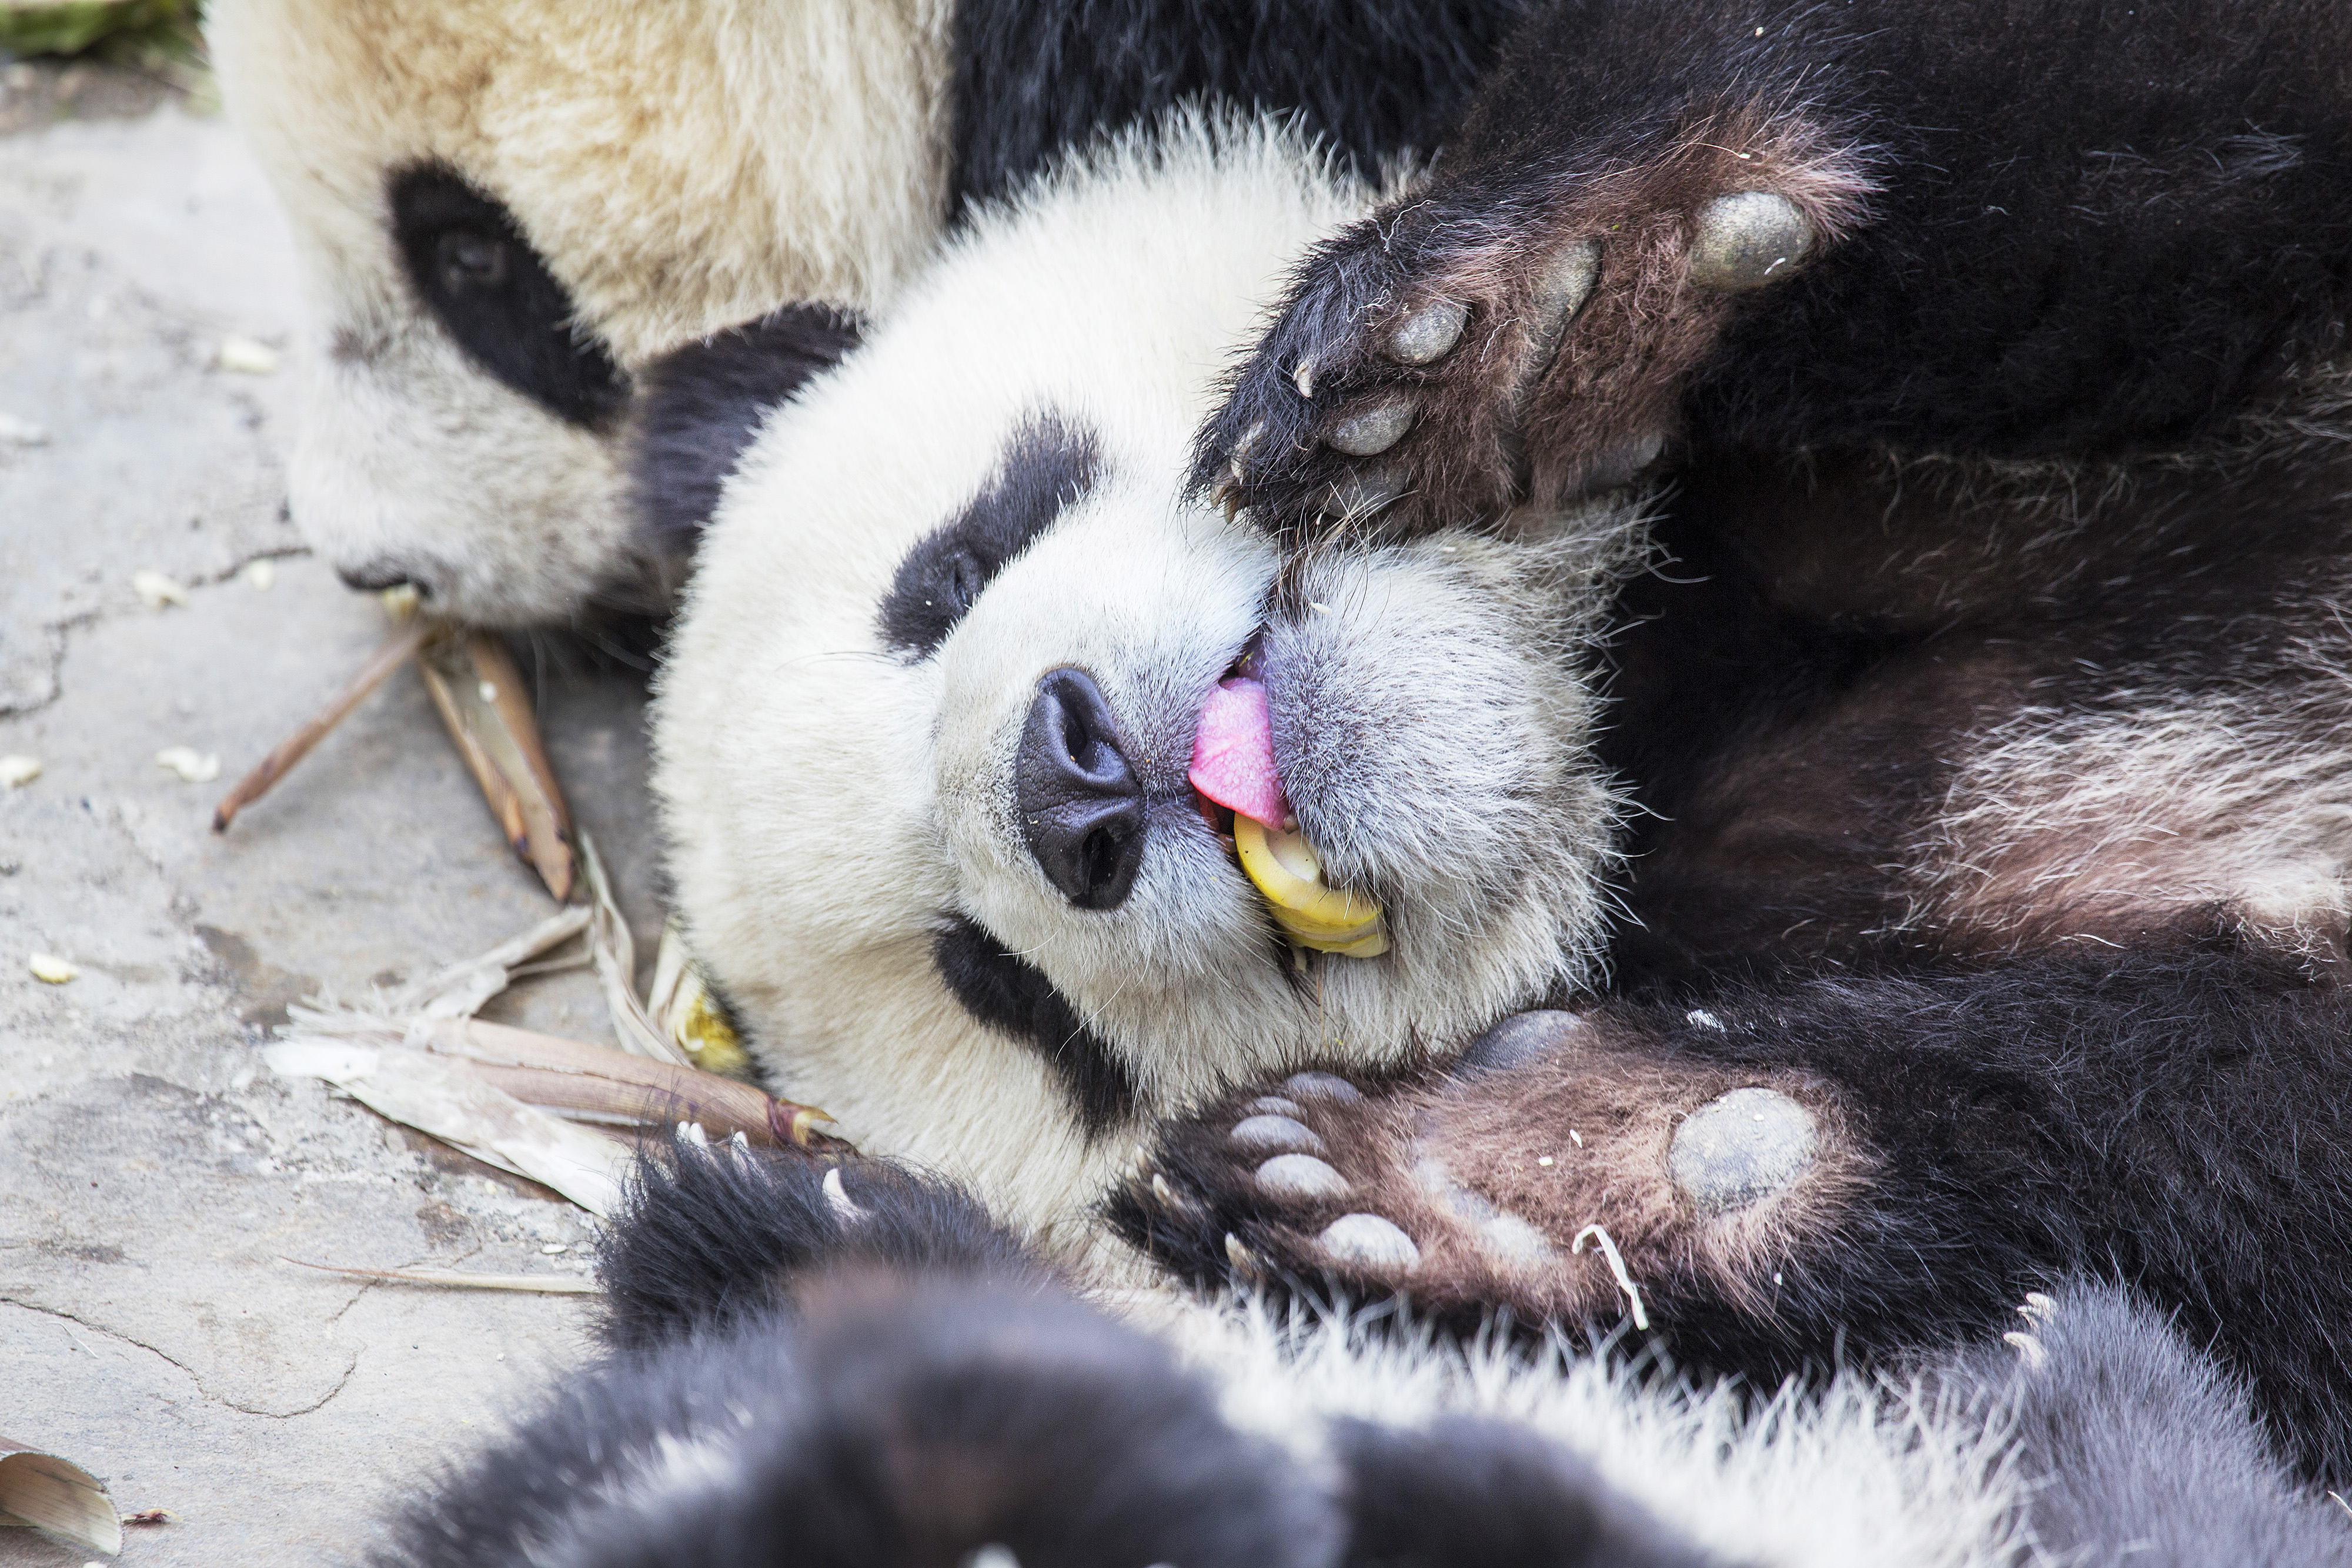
(1989, 882)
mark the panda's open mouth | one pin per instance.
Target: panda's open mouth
(1240, 792)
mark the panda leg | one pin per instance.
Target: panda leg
(1440, 361)
(2044, 230)
(1838, 1167)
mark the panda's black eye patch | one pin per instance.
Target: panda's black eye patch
(467, 260)
(1047, 465)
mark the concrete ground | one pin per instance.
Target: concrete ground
(152, 1171)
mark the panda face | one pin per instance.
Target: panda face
(507, 210)
(924, 738)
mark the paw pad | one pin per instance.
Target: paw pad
(1739, 1147)
(1748, 239)
(1274, 1133)
(1371, 430)
(1428, 334)
(1321, 1086)
(1301, 1176)
(1370, 1242)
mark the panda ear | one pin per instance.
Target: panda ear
(698, 407)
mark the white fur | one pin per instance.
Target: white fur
(681, 167)
(1861, 1473)
(832, 803)
(2077, 824)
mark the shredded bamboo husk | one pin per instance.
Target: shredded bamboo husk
(58, 1496)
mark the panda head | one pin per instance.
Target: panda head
(506, 209)
(957, 587)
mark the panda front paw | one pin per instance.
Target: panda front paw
(1562, 1171)
(1483, 345)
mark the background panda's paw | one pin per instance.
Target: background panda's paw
(1567, 1166)
(1492, 341)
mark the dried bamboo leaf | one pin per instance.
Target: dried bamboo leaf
(52, 1494)
(685, 1012)
(547, 1285)
(479, 694)
(396, 651)
(616, 966)
(439, 1096)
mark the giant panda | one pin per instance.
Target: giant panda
(509, 211)
(1978, 928)
(853, 1363)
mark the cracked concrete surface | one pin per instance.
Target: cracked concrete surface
(152, 1172)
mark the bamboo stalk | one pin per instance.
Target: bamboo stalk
(477, 690)
(397, 650)
(547, 1070)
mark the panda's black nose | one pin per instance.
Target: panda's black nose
(1081, 808)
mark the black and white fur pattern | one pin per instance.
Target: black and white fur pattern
(509, 214)
(856, 1365)
(1915, 891)
(837, 728)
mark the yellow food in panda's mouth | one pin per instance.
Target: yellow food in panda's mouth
(1285, 868)
(1233, 766)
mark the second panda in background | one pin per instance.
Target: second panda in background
(509, 210)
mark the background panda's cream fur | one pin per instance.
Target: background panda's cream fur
(834, 802)
(680, 168)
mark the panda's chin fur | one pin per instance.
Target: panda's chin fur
(837, 765)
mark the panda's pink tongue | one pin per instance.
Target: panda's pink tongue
(1233, 753)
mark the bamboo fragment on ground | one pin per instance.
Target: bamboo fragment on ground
(397, 649)
(477, 690)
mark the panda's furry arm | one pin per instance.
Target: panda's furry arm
(1845, 1166)
(2021, 228)
(698, 406)
(850, 1363)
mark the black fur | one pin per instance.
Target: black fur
(2138, 1450)
(904, 1388)
(1006, 991)
(1474, 1493)
(2121, 237)
(469, 263)
(1372, 78)
(697, 408)
(706, 1241)
(2096, 231)
(1048, 464)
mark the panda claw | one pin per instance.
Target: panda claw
(2028, 1348)
(1243, 1261)
(2039, 1308)
(1170, 1201)
(1302, 376)
(1747, 239)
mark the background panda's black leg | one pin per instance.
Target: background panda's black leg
(1471, 1494)
(1850, 1164)
(711, 1235)
(2016, 229)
